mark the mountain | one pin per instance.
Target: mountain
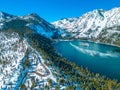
(97, 25)
(28, 60)
(24, 45)
(32, 21)
(4, 16)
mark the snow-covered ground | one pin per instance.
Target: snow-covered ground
(11, 53)
(38, 71)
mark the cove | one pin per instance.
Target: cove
(98, 58)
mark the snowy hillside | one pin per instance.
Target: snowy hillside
(4, 16)
(20, 63)
(32, 21)
(97, 25)
(39, 25)
(12, 52)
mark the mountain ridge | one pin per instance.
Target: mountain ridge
(93, 25)
(33, 21)
(97, 26)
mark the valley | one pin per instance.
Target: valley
(29, 58)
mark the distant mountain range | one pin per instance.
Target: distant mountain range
(97, 25)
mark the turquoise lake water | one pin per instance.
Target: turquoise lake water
(98, 58)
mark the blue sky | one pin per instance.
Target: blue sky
(52, 10)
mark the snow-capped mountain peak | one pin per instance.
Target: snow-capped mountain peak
(4, 16)
(92, 25)
(32, 21)
(33, 16)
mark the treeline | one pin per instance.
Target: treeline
(68, 73)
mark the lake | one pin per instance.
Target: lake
(98, 58)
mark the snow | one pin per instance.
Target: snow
(12, 73)
(11, 70)
(4, 16)
(90, 24)
(40, 30)
(13, 53)
(37, 63)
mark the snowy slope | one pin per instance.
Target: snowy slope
(39, 24)
(92, 24)
(12, 51)
(4, 16)
(32, 21)
(20, 62)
